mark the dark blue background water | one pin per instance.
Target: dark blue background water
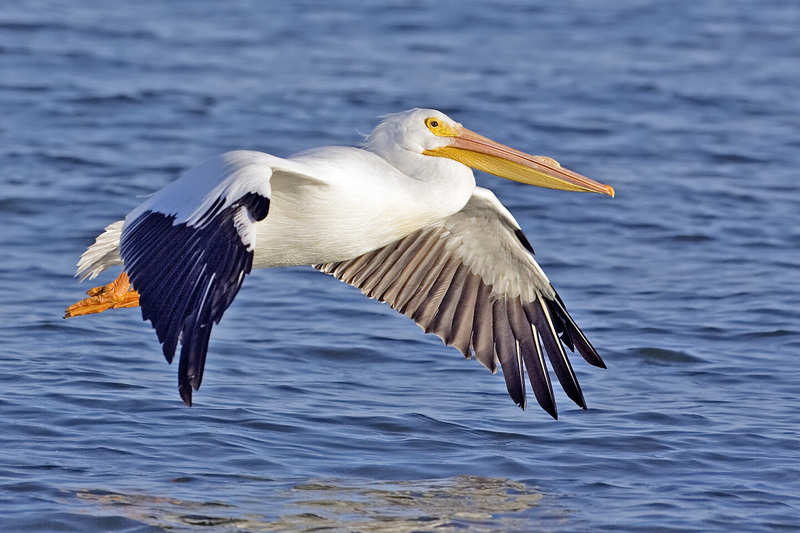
(323, 409)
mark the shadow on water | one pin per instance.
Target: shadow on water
(463, 503)
(661, 356)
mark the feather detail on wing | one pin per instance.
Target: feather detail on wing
(471, 279)
(187, 250)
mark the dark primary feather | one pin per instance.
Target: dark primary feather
(505, 346)
(532, 355)
(555, 352)
(523, 240)
(187, 276)
(574, 333)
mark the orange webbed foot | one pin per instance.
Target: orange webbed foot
(115, 295)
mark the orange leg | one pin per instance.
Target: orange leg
(115, 295)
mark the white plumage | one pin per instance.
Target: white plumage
(399, 218)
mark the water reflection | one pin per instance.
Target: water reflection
(464, 503)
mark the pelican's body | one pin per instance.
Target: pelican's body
(306, 226)
(400, 218)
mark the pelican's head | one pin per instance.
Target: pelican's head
(432, 133)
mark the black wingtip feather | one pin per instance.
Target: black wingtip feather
(523, 240)
(506, 349)
(186, 394)
(534, 363)
(555, 352)
(581, 343)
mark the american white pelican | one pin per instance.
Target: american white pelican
(400, 218)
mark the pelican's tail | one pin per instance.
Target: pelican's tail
(103, 254)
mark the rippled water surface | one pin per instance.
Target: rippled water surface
(322, 410)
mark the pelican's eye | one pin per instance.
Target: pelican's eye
(439, 128)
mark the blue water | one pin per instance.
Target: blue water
(321, 409)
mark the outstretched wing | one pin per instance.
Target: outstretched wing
(472, 280)
(188, 248)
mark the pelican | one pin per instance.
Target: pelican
(399, 217)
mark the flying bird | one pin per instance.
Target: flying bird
(400, 218)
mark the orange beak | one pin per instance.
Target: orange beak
(486, 155)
